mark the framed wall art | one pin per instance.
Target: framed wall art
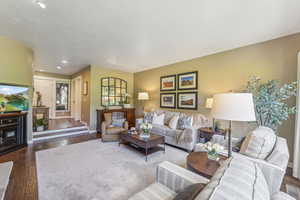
(168, 83)
(188, 81)
(187, 100)
(168, 100)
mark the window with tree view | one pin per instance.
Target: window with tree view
(113, 91)
(62, 96)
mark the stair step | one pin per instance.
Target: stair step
(59, 130)
(58, 135)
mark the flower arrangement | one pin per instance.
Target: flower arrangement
(146, 127)
(212, 150)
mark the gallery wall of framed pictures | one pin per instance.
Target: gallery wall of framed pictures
(179, 82)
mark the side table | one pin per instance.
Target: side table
(199, 163)
(207, 133)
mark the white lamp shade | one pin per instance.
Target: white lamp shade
(209, 103)
(143, 96)
(234, 107)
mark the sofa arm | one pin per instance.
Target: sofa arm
(175, 177)
(103, 128)
(273, 174)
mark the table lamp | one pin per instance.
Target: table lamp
(143, 96)
(233, 107)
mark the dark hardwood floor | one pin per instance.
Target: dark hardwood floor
(23, 179)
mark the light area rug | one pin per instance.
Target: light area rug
(5, 170)
(98, 171)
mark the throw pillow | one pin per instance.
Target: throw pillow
(184, 122)
(259, 143)
(158, 119)
(173, 122)
(108, 118)
(149, 117)
(190, 192)
(118, 122)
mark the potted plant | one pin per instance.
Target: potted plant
(126, 103)
(146, 127)
(40, 124)
(270, 100)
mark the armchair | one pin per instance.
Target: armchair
(111, 130)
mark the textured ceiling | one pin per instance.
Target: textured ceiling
(134, 35)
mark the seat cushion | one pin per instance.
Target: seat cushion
(282, 196)
(159, 129)
(259, 143)
(114, 130)
(155, 191)
(237, 178)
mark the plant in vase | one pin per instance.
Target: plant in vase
(270, 100)
(126, 102)
(40, 124)
(146, 127)
(212, 150)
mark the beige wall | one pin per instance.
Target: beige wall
(275, 59)
(85, 99)
(16, 68)
(97, 73)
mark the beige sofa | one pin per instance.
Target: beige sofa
(183, 138)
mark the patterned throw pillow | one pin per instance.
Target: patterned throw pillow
(158, 119)
(173, 122)
(118, 122)
(148, 118)
(184, 122)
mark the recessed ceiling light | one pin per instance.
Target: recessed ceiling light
(64, 61)
(58, 67)
(41, 4)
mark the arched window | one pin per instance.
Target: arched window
(113, 91)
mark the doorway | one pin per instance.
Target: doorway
(76, 98)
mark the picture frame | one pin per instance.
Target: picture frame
(85, 88)
(168, 100)
(168, 83)
(187, 100)
(187, 81)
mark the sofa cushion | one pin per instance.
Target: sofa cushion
(199, 121)
(169, 115)
(149, 117)
(118, 122)
(184, 121)
(259, 143)
(155, 191)
(108, 118)
(190, 192)
(159, 129)
(236, 179)
(114, 130)
(173, 133)
(158, 119)
(173, 122)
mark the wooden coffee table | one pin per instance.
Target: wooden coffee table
(145, 145)
(199, 163)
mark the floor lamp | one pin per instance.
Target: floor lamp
(233, 107)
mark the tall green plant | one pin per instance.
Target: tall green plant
(270, 100)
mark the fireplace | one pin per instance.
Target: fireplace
(12, 132)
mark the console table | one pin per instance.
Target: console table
(129, 114)
(13, 131)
